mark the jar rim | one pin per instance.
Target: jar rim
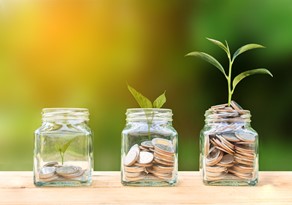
(51, 114)
(143, 114)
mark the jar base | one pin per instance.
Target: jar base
(146, 183)
(63, 183)
(225, 182)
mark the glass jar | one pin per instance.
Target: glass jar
(63, 148)
(228, 147)
(149, 148)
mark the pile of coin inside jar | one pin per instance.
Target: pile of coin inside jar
(153, 159)
(52, 171)
(229, 149)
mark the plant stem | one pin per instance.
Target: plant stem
(229, 82)
(62, 157)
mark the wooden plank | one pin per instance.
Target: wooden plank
(274, 188)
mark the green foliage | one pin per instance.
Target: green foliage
(210, 59)
(63, 148)
(144, 102)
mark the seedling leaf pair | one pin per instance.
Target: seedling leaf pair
(144, 102)
(210, 59)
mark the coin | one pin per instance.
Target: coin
(132, 155)
(133, 174)
(227, 159)
(215, 169)
(243, 169)
(152, 160)
(214, 157)
(164, 156)
(235, 105)
(162, 175)
(79, 173)
(162, 169)
(161, 141)
(164, 148)
(147, 144)
(248, 137)
(47, 172)
(207, 145)
(67, 170)
(143, 165)
(134, 169)
(145, 157)
(50, 164)
(49, 179)
(219, 106)
(160, 161)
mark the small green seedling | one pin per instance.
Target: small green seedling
(144, 102)
(210, 59)
(63, 148)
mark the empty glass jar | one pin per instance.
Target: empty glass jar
(63, 148)
(228, 147)
(149, 148)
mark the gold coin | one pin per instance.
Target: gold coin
(134, 169)
(161, 141)
(215, 169)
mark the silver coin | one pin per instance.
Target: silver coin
(50, 164)
(245, 136)
(67, 170)
(47, 172)
(230, 137)
(145, 157)
(147, 144)
(132, 156)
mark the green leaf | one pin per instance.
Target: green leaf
(209, 59)
(246, 48)
(245, 74)
(218, 43)
(141, 99)
(66, 145)
(159, 102)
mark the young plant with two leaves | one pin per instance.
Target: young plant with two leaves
(210, 59)
(145, 103)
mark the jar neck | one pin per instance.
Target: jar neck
(149, 115)
(77, 115)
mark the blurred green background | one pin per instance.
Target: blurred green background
(81, 53)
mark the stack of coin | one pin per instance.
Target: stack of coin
(150, 160)
(164, 158)
(52, 171)
(229, 149)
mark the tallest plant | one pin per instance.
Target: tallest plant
(231, 58)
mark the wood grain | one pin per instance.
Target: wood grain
(274, 188)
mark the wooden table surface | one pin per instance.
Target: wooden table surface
(273, 188)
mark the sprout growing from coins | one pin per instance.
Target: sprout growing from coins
(144, 102)
(63, 148)
(210, 59)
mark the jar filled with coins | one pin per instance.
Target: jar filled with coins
(63, 148)
(149, 148)
(228, 147)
